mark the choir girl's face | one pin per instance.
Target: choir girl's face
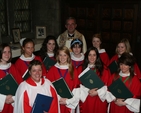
(50, 46)
(92, 57)
(28, 49)
(63, 57)
(71, 25)
(6, 54)
(124, 68)
(121, 48)
(96, 42)
(36, 73)
(76, 49)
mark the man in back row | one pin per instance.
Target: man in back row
(71, 33)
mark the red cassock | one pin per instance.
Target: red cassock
(105, 58)
(26, 94)
(53, 74)
(136, 68)
(8, 108)
(94, 104)
(77, 62)
(77, 65)
(135, 87)
(114, 58)
(22, 66)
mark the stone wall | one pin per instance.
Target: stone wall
(46, 13)
(43, 13)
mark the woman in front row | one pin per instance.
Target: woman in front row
(127, 75)
(94, 103)
(27, 90)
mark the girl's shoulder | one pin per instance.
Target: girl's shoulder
(18, 62)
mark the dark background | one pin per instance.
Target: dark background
(114, 19)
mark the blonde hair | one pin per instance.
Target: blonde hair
(127, 45)
(66, 50)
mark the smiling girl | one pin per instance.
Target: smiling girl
(27, 90)
(27, 56)
(124, 47)
(6, 67)
(96, 42)
(127, 76)
(63, 68)
(93, 102)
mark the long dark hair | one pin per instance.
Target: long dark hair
(2, 49)
(98, 63)
(43, 50)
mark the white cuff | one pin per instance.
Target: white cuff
(83, 93)
(110, 97)
(102, 93)
(133, 104)
(73, 102)
(13, 97)
(2, 101)
(78, 94)
(58, 96)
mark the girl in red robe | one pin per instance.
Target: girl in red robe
(35, 84)
(96, 41)
(49, 48)
(124, 47)
(127, 75)
(63, 68)
(7, 68)
(27, 56)
(77, 56)
(94, 103)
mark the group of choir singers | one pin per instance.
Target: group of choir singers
(70, 63)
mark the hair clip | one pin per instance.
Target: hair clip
(76, 41)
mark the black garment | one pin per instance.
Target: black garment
(71, 35)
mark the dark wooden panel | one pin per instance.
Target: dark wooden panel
(116, 25)
(113, 19)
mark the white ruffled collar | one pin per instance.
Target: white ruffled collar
(61, 66)
(129, 53)
(50, 54)
(119, 56)
(124, 74)
(75, 58)
(5, 66)
(101, 51)
(91, 65)
(22, 57)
